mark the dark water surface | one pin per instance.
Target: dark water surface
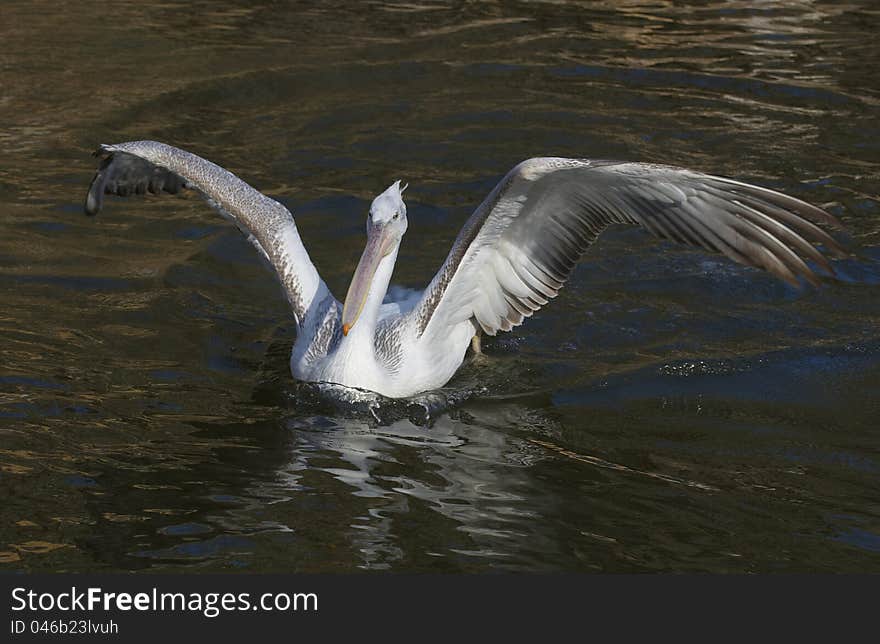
(668, 412)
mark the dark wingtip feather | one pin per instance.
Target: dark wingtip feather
(125, 174)
(812, 278)
(94, 199)
(833, 221)
(95, 195)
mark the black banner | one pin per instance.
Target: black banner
(132, 608)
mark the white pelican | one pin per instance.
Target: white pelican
(510, 258)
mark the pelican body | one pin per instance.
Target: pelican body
(511, 257)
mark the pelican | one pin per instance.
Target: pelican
(511, 257)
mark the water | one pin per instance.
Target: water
(668, 412)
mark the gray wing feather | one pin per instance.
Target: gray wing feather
(126, 174)
(521, 244)
(137, 167)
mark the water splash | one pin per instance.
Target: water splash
(422, 409)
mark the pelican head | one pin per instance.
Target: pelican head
(386, 225)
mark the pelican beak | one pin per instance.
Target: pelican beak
(380, 242)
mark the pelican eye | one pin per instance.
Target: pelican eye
(396, 215)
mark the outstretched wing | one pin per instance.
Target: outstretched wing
(137, 167)
(521, 244)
